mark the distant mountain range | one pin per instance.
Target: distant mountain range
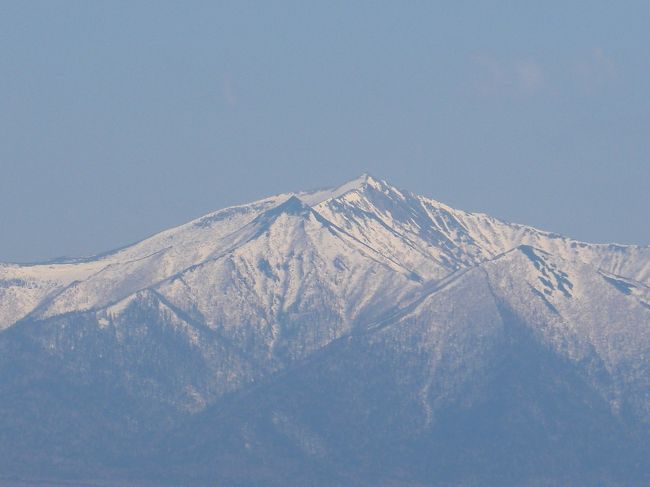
(361, 336)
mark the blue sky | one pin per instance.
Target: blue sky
(119, 119)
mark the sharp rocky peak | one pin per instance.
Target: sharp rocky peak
(363, 184)
(367, 182)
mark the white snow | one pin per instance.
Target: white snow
(356, 235)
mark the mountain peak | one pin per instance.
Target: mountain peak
(357, 184)
(292, 206)
(376, 299)
(367, 179)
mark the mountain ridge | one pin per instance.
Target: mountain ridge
(373, 325)
(474, 233)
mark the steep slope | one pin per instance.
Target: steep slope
(428, 238)
(361, 335)
(82, 284)
(24, 287)
(300, 283)
(586, 316)
(496, 237)
(427, 235)
(466, 386)
(285, 285)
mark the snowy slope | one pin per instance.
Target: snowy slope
(525, 356)
(361, 326)
(418, 234)
(440, 239)
(596, 322)
(24, 287)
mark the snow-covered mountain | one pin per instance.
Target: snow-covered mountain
(382, 312)
(408, 233)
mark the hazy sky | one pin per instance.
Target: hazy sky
(119, 119)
